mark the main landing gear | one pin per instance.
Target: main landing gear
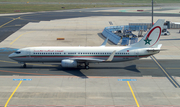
(86, 65)
(24, 65)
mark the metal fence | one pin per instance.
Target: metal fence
(138, 27)
(125, 41)
(174, 26)
(146, 25)
(134, 40)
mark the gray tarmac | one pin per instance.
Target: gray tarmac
(101, 85)
(139, 68)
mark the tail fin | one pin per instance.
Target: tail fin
(151, 38)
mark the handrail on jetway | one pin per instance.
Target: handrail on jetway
(108, 31)
(125, 41)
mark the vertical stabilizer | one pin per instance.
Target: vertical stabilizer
(152, 37)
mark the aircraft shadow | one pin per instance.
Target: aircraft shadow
(73, 71)
(130, 68)
(79, 72)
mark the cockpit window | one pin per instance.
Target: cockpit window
(17, 52)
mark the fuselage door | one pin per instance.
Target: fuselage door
(28, 53)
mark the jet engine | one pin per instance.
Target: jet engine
(69, 63)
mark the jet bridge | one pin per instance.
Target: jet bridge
(124, 33)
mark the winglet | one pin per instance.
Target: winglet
(111, 56)
(104, 43)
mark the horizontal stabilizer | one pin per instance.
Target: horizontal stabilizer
(159, 46)
(155, 49)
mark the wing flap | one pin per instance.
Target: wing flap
(87, 59)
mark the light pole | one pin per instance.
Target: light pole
(152, 12)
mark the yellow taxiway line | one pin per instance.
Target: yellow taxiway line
(9, 22)
(12, 94)
(19, 37)
(133, 94)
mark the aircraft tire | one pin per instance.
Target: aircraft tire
(24, 65)
(87, 67)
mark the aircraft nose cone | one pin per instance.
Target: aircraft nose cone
(10, 56)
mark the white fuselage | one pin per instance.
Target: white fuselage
(57, 54)
(73, 56)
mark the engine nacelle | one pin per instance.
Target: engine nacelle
(69, 63)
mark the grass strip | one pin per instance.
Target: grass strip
(96, 1)
(15, 8)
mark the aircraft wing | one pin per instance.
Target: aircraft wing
(87, 59)
(104, 43)
(110, 58)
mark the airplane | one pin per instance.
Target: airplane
(77, 56)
